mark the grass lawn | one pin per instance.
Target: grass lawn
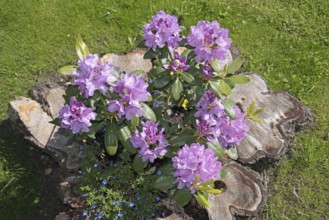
(285, 41)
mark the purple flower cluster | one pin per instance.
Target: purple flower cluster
(163, 29)
(215, 124)
(210, 41)
(178, 64)
(132, 90)
(150, 142)
(76, 116)
(93, 75)
(192, 161)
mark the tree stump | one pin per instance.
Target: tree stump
(244, 191)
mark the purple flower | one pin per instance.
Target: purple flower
(178, 64)
(207, 70)
(215, 123)
(210, 41)
(76, 116)
(232, 132)
(192, 161)
(150, 142)
(132, 90)
(208, 105)
(164, 29)
(93, 75)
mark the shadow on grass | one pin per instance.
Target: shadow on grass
(25, 191)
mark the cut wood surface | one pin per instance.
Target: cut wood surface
(129, 62)
(30, 119)
(244, 194)
(283, 115)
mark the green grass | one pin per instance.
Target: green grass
(285, 41)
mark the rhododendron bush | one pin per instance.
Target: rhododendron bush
(176, 117)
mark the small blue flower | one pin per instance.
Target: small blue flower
(96, 165)
(114, 218)
(157, 199)
(132, 204)
(153, 215)
(118, 202)
(156, 92)
(85, 213)
(80, 172)
(138, 198)
(93, 206)
(120, 214)
(163, 214)
(99, 216)
(104, 182)
(157, 104)
(159, 173)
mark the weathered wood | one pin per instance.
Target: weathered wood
(244, 194)
(66, 149)
(129, 62)
(283, 116)
(29, 118)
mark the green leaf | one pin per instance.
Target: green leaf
(67, 70)
(182, 139)
(258, 111)
(216, 65)
(56, 121)
(138, 73)
(211, 190)
(148, 113)
(251, 107)
(187, 77)
(196, 180)
(239, 79)
(185, 53)
(217, 148)
(150, 54)
(177, 89)
(225, 88)
(162, 82)
(183, 197)
(110, 139)
(235, 65)
(94, 129)
(81, 48)
(201, 199)
(72, 91)
(158, 71)
(138, 164)
(224, 174)
(167, 169)
(151, 170)
(134, 121)
(207, 183)
(256, 119)
(214, 87)
(164, 182)
(229, 108)
(124, 137)
(232, 152)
